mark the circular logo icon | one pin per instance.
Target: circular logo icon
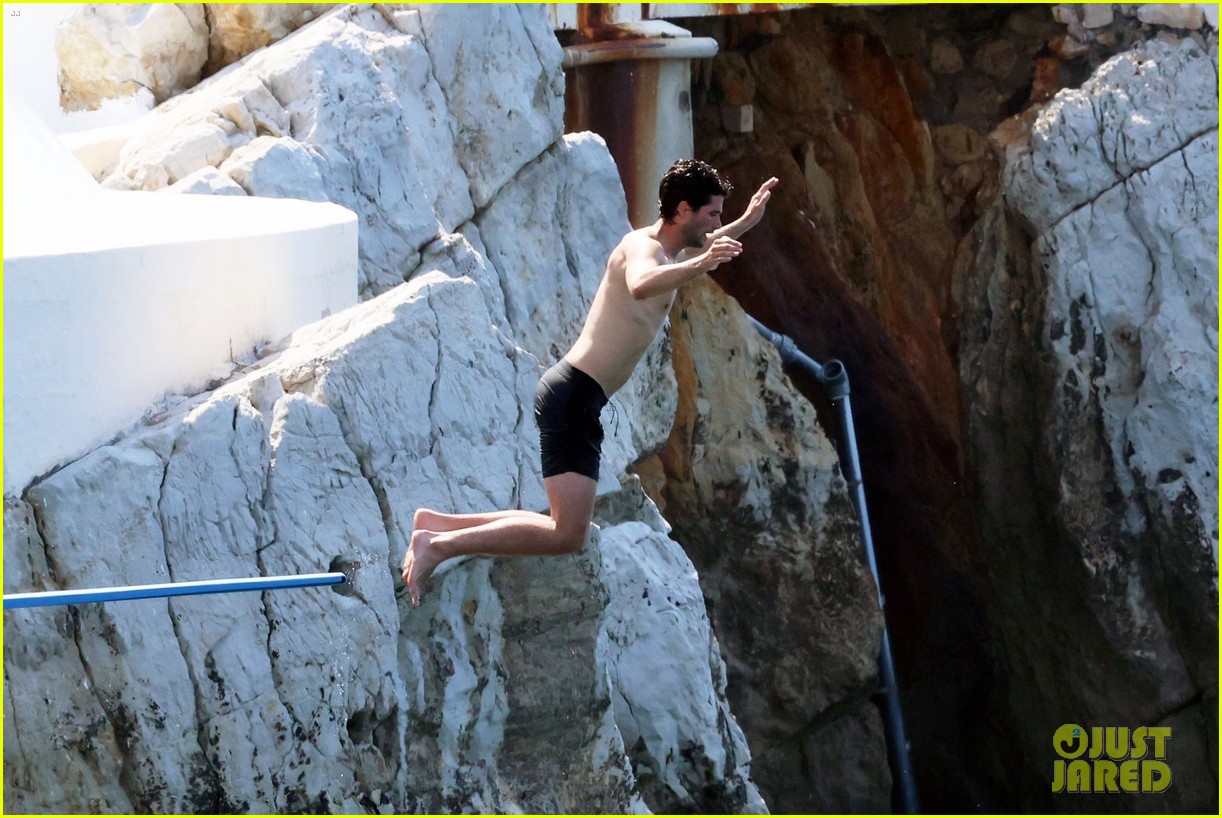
(1069, 741)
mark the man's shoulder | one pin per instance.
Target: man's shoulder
(641, 240)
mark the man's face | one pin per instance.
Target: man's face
(702, 222)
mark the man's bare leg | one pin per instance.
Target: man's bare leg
(515, 534)
(431, 520)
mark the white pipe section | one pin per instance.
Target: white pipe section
(646, 48)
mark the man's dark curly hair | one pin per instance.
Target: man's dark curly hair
(691, 181)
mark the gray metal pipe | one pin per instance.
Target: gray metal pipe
(833, 377)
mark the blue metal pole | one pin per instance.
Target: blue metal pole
(894, 716)
(215, 586)
(833, 377)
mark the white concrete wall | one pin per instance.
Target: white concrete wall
(94, 333)
(113, 299)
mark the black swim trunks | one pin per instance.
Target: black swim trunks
(567, 405)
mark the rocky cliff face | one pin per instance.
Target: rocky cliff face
(1008, 236)
(854, 264)
(1022, 282)
(781, 566)
(593, 683)
(114, 51)
(1093, 280)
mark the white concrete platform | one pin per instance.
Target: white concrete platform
(112, 299)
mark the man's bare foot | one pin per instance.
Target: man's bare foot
(426, 519)
(421, 559)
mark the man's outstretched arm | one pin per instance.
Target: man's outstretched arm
(750, 217)
(647, 273)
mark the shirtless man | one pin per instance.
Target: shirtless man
(632, 302)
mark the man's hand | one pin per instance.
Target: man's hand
(755, 210)
(750, 217)
(722, 250)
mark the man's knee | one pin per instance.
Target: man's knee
(572, 540)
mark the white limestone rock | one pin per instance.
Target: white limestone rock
(463, 254)
(451, 367)
(1138, 107)
(463, 442)
(1096, 15)
(130, 651)
(315, 457)
(207, 180)
(1081, 16)
(277, 703)
(560, 750)
(348, 700)
(42, 656)
(112, 50)
(1173, 15)
(549, 235)
(1131, 321)
(660, 650)
(279, 167)
(418, 427)
(1133, 267)
(237, 29)
(499, 68)
(381, 112)
(369, 123)
(1089, 364)
(109, 51)
(243, 703)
